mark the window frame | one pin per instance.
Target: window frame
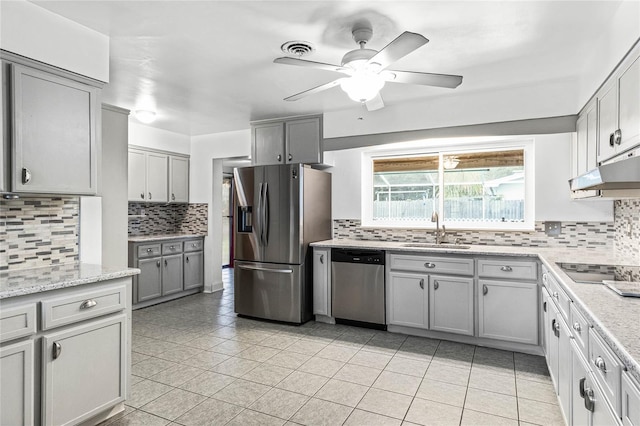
(445, 148)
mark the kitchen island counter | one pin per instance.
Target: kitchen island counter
(37, 280)
(614, 317)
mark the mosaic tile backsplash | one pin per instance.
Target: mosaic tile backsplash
(168, 218)
(626, 216)
(573, 234)
(37, 232)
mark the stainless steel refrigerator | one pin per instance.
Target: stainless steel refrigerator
(279, 211)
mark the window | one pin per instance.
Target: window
(470, 189)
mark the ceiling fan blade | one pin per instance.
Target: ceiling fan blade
(375, 103)
(404, 44)
(424, 78)
(304, 63)
(316, 89)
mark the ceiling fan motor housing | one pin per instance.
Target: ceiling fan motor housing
(357, 57)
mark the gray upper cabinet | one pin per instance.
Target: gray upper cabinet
(137, 180)
(608, 120)
(157, 177)
(287, 141)
(54, 133)
(629, 99)
(178, 179)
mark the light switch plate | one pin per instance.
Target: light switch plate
(552, 228)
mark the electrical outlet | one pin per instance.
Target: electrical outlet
(552, 229)
(629, 229)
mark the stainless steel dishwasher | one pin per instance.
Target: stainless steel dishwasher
(357, 287)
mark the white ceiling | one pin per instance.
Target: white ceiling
(207, 66)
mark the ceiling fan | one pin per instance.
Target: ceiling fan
(367, 69)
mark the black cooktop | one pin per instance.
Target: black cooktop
(595, 273)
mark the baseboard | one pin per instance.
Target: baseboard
(215, 287)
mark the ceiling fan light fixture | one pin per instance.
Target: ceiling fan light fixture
(145, 116)
(362, 86)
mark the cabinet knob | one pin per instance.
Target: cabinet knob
(506, 269)
(617, 137)
(87, 304)
(322, 259)
(57, 350)
(173, 197)
(172, 247)
(279, 157)
(194, 245)
(149, 195)
(600, 364)
(149, 250)
(186, 259)
(165, 262)
(577, 327)
(290, 157)
(26, 175)
(485, 289)
(611, 140)
(158, 263)
(436, 284)
(142, 195)
(589, 401)
(556, 295)
(429, 265)
(422, 283)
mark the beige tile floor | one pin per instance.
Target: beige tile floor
(196, 363)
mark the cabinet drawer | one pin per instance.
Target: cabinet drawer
(17, 322)
(559, 297)
(606, 368)
(171, 248)
(193, 245)
(432, 264)
(508, 268)
(149, 250)
(630, 401)
(580, 330)
(81, 306)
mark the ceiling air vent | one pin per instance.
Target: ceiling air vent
(298, 48)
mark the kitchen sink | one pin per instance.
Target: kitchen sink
(436, 246)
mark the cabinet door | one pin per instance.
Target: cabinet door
(592, 137)
(553, 360)
(564, 370)
(137, 176)
(629, 87)
(451, 304)
(172, 274)
(408, 297)
(630, 401)
(508, 311)
(54, 133)
(579, 380)
(321, 285)
(150, 279)
(178, 180)
(83, 370)
(157, 178)
(16, 386)
(303, 139)
(608, 121)
(193, 270)
(579, 151)
(268, 144)
(546, 322)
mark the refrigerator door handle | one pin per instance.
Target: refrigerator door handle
(259, 268)
(259, 216)
(265, 209)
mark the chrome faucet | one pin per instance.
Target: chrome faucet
(441, 235)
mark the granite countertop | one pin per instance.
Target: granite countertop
(36, 280)
(614, 317)
(160, 237)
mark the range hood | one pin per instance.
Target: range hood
(623, 174)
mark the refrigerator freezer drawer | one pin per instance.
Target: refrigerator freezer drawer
(269, 291)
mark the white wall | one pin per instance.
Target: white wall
(150, 137)
(34, 32)
(552, 156)
(206, 187)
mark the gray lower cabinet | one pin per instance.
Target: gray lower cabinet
(408, 299)
(508, 311)
(16, 386)
(54, 117)
(168, 268)
(83, 370)
(193, 270)
(451, 304)
(150, 279)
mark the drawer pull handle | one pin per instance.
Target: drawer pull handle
(26, 176)
(142, 195)
(544, 278)
(149, 250)
(600, 364)
(555, 327)
(422, 283)
(165, 262)
(544, 306)
(187, 259)
(506, 269)
(322, 259)
(436, 284)
(429, 265)
(485, 289)
(57, 350)
(149, 195)
(194, 245)
(158, 263)
(556, 295)
(88, 304)
(173, 197)
(172, 247)
(581, 387)
(577, 327)
(589, 401)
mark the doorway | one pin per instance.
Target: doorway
(227, 220)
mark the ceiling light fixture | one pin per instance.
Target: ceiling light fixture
(145, 116)
(450, 162)
(363, 85)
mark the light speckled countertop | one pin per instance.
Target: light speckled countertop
(36, 280)
(615, 318)
(160, 237)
